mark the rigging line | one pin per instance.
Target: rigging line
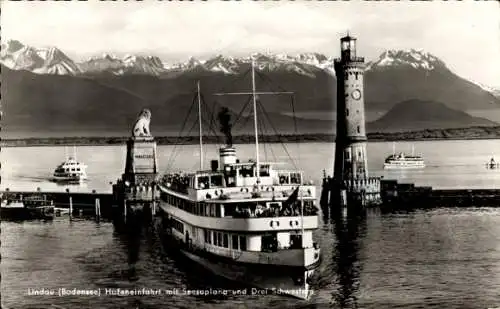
(246, 120)
(240, 114)
(187, 134)
(264, 77)
(212, 112)
(212, 119)
(263, 125)
(211, 124)
(180, 133)
(267, 78)
(292, 102)
(212, 130)
(240, 77)
(279, 136)
(262, 137)
(204, 121)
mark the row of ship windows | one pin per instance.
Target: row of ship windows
(68, 169)
(199, 209)
(232, 210)
(220, 239)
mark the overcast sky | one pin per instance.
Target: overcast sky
(464, 35)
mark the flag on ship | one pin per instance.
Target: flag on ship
(293, 198)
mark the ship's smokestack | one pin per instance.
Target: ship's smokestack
(225, 125)
(227, 156)
(227, 153)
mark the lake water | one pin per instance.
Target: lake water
(444, 258)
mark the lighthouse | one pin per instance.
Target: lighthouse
(350, 144)
(351, 184)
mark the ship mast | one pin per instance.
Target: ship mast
(254, 94)
(199, 124)
(302, 216)
(255, 122)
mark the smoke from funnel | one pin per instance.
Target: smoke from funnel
(225, 125)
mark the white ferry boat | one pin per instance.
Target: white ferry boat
(249, 222)
(404, 161)
(70, 171)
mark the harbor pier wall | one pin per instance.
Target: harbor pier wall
(395, 196)
(83, 203)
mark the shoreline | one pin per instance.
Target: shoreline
(476, 133)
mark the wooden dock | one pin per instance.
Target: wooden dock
(82, 203)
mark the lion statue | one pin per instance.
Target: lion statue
(141, 126)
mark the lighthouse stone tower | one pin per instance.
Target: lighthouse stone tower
(351, 183)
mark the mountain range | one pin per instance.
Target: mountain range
(43, 89)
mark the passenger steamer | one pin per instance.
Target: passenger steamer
(70, 171)
(404, 161)
(246, 221)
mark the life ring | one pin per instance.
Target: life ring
(282, 179)
(246, 190)
(271, 224)
(291, 223)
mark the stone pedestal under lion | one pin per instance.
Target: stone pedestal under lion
(136, 193)
(141, 163)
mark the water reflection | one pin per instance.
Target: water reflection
(349, 229)
(131, 239)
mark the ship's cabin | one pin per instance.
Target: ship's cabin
(233, 175)
(229, 172)
(70, 166)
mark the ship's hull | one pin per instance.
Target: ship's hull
(69, 179)
(261, 282)
(493, 166)
(260, 279)
(408, 166)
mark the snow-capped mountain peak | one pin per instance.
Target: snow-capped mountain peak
(131, 64)
(415, 58)
(50, 60)
(494, 91)
(224, 64)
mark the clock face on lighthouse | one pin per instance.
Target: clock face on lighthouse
(356, 94)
